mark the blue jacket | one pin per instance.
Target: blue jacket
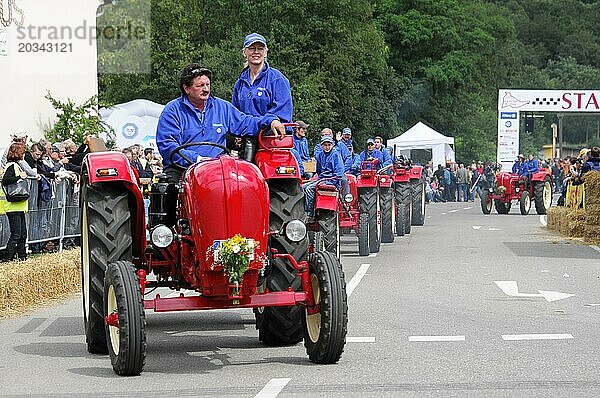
(364, 155)
(180, 123)
(329, 164)
(301, 145)
(342, 150)
(516, 169)
(387, 159)
(270, 93)
(532, 166)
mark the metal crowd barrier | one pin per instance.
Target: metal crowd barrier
(56, 221)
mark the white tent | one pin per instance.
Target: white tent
(421, 136)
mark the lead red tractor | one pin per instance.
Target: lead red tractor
(511, 187)
(294, 295)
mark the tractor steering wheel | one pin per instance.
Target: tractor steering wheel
(177, 151)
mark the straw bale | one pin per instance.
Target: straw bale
(26, 284)
(592, 188)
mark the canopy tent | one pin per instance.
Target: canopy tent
(421, 136)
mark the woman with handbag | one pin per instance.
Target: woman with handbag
(16, 193)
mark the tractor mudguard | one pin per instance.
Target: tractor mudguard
(385, 180)
(114, 168)
(416, 172)
(326, 200)
(277, 163)
(540, 176)
(224, 197)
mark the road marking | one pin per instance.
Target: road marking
(511, 289)
(443, 213)
(544, 220)
(476, 226)
(467, 208)
(356, 278)
(591, 305)
(273, 388)
(373, 255)
(515, 337)
(360, 339)
(452, 211)
(32, 325)
(435, 338)
(597, 248)
(493, 229)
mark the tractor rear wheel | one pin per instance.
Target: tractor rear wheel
(126, 339)
(400, 211)
(279, 326)
(329, 225)
(524, 203)
(542, 195)
(486, 203)
(363, 234)
(105, 238)
(418, 202)
(386, 204)
(404, 195)
(325, 331)
(501, 207)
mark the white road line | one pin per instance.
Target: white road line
(476, 226)
(273, 388)
(443, 213)
(373, 255)
(597, 248)
(467, 208)
(360, 339)
(452, 211)
(435, 338)
(515, 337)
(493, 229)
(544, 220)
(356, 278)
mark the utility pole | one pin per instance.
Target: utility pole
(560, 135)
(554, 131)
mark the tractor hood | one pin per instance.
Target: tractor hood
(224, 197)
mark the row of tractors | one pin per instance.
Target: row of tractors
(294, 280)
(378, 205)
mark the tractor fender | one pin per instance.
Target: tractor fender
(416, 172)
(385, 181)
(121, 174)
(326, 202)
(270, 164)
(540, 176)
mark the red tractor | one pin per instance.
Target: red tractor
(295, 295)
(511, 187)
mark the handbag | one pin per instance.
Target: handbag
(16, 192)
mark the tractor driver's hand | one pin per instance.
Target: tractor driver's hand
(278, 128)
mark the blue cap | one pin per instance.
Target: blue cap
(346, 130)
(254, 38)
(370, 141)
(327, 138)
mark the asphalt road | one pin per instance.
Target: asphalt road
(427, 318)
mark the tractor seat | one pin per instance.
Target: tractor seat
(327, 187)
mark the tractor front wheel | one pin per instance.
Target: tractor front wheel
(126, 333)
(105, 238)
(486, 203)
(501, 207)
(325, 330)
(525, 203)
(542, 195)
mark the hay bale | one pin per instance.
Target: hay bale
(592, 188)
(557, 217)
(26, 284)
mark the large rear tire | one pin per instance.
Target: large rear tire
(418, 202)
(278, 326)
(486, 203)
(363, 234)
(329, 225)
(542, 194)
(400, 211)
(386, 204)
(367, 203)
(325, 331)
(105, 238)
(403, 192)
(127, 340)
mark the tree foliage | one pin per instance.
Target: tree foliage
(380, 66)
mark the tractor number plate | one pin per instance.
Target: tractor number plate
(217, 245)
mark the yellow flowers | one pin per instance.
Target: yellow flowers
(235, 254)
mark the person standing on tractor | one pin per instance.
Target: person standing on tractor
(329, 165)
(197, 116)
(387, 159)
(261, 89)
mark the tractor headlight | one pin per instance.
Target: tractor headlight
(348, 197)
(491, 190)
(517, 189)
(295, 230)
(161, 236)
